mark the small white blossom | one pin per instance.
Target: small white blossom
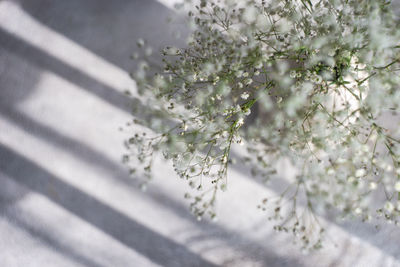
(240, 122)
(372, 185)
(389, 168)
(358, 210)
(320, 99)
(245, 95)
(397, 186)
(351, 179)
(360, 173)
(248, 81)
(140, 42)
(330, 171)
(389, 206)
(250, 14)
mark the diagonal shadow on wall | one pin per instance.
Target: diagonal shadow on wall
(51, 241)
(43, 60)
(109, 29)
(95, 158)
(14, 45)
(145, 241)
(92, 156)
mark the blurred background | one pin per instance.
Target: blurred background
(65, 197)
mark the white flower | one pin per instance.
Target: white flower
(389, 168)
(389, 206)
(360, 173)
(239, 73)
(372, 185)
(250, 14)
(239, 122)
(351, 179)
(248, 81)
(397, 186)
(330, 171)
(245, 95)
(358, 210)
(140, 42)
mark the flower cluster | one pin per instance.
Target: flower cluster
(312, 82)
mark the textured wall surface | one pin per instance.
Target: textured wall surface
(65, 197)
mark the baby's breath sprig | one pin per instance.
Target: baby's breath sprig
(315, 83)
